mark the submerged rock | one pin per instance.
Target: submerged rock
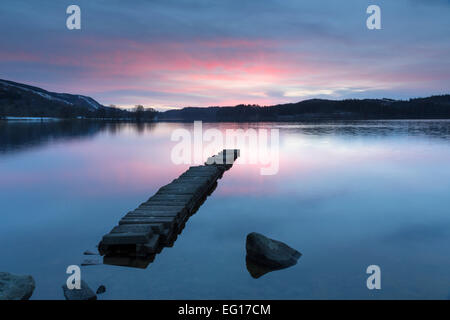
(15, 287)
(89, 253)
(257, 270)
(270, 253)
(101, 289)
(84, 293)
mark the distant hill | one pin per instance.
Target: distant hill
(10, 88)
(435, 107)
(22, 100)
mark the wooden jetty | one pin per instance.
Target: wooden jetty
(155, 224)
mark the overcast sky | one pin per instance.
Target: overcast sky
(176, 53)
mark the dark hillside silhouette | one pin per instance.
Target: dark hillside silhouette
(435, 107)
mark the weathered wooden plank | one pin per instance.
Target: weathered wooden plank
(203, 170)
(173, 203)
(169, 197)
(206, 178)
(151, 227)
(193, 180)
(186, 184)
(124, 238)
(197, 187)
(179, 191)
(176, 215)
(201, 173)
(128, 234)
(155, 214)
(208, 171)
(194, 192)
(167, 201)
(231, 153)
(132, 228)
(151, 208)
(188, 203)
(142, 214)
(224, 158)
(165, 221)
(190, 198)
(157, 227)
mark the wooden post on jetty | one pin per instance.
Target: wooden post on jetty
(154, 223)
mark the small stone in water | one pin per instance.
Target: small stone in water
(84, 293)
(101, 289)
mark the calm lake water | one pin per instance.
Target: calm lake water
(347, 195)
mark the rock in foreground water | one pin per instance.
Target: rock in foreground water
(14, 287)
(271, 253)
(257, 270)
(101, 289)
(84, 293)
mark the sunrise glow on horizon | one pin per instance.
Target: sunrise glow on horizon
(172, 54)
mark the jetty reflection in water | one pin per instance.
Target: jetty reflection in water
(131, 259)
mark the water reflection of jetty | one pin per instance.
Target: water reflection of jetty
(156, 223)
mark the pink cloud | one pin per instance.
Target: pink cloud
(214, 72)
